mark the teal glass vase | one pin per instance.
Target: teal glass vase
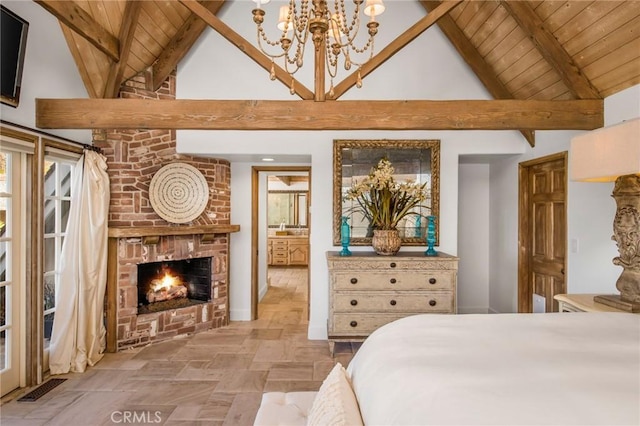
(417, 230)
(345, 236)
(431, 236)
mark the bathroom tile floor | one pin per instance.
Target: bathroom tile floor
(215, 377)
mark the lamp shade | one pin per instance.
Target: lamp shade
(373, 7)
(604, 154)
(284, 19)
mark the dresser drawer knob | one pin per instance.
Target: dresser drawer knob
(392, 264)
(392, 281)
(392, 303)
(354, 280)
(354, 302)
(432, 280)
(353, 323)
(432, 302)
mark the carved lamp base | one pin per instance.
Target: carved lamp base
(616, 301)
(626, 234)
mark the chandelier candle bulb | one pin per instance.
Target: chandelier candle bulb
(260, 2)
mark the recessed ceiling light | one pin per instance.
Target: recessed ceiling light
(267, 159)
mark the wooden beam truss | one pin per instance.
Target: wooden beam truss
(310, 115)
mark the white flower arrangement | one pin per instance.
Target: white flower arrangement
(384, 201)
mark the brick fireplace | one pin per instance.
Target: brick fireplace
(137, 235)
(172, 284)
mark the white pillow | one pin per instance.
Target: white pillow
(335, 404)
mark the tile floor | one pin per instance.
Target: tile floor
(215, 377)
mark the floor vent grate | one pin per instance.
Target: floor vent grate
(41, 390)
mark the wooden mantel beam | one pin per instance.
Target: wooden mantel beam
(309, 115)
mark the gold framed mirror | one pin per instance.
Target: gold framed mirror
(417, 160)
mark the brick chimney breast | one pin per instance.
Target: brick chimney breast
(133, 157)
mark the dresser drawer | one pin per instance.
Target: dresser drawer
(394, 263)
(359, 324)
(394, 280)
(390, 302)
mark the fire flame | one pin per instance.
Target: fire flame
(165, 283)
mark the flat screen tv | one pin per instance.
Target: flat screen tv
(13, 41)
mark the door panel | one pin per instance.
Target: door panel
(542, 231)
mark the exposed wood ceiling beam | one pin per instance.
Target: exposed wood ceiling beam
(74, 17)
(127, 31)
(474, 59)
(284, 179)
(395, 46)
(310, 115)
(551, 49)
(247, 48)
(181, 43)
(69, 36)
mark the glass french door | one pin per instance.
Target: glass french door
(58, 175)
(11, 272)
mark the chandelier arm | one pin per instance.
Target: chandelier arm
(266, 53)
(351, 32)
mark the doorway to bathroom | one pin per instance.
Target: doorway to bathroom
(280, 238)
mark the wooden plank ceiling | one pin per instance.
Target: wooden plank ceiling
(549, 50)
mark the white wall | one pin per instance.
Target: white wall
(590, 213)
(201, 75)
(473, 238)
(49, 70)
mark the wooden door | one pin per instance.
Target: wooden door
(543, 231)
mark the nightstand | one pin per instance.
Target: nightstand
(581, 303)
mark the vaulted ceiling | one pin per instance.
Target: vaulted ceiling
(550, 50)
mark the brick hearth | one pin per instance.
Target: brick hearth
(133, 157)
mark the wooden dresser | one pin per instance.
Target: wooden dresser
(367, 291)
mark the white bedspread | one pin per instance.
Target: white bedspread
(502, 369)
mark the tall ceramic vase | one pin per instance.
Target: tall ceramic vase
(386, 242)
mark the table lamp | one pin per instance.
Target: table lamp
(612, 154)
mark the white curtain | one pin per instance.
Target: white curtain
(78, 336)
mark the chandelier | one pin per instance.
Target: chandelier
(332, 30)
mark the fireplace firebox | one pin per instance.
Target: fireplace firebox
(173, 284)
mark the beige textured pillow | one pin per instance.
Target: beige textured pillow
(335, 404)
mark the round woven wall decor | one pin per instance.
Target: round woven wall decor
(178, 193)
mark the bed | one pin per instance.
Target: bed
(502, 369)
